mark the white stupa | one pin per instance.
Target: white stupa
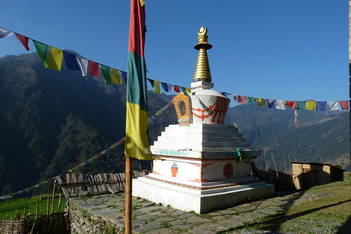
(202, 164)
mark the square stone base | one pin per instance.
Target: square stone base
(200, 201)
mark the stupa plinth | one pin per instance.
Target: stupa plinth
(202, 164)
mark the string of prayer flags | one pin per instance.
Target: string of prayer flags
(23, 40)
(54, 58)
(5, 33)
(105, 70)
(115, 76)
(93, 68)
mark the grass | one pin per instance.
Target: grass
(329, 212)
(9, 208)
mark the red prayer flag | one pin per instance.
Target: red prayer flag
(291, 104)
(242, 99)
(93, 68)
(176, 88)
(344, 105)
(23, 40)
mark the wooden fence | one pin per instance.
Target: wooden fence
(75, 185)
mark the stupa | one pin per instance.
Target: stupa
(201, 164)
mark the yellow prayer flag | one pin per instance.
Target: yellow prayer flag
(157, 86)
(115, 76)
(54, 58)
(310, 105)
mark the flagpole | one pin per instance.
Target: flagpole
(128, 196)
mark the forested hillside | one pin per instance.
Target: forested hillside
(316, 137)
(50, 121)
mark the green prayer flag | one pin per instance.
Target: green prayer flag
(42, 51)
(106, 73)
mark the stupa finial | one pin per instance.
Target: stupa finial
(202, 69)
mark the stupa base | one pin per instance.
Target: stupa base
(199, 200)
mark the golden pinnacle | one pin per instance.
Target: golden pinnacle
(202, 69)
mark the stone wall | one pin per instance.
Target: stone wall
(83, 221)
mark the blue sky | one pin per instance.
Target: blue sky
(281, 49)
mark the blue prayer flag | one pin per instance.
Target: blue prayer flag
(71, 60)
(321, 105)
(165, 87)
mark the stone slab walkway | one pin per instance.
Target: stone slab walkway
(104, 214)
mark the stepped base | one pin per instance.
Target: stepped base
(199, 200)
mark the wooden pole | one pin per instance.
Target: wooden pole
(128, 196)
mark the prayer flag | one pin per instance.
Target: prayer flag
(157, 87)
(83, 64)
(261, 101)
(280, 105)
(151, 83)
(344, 105)
(185, 91)
(124, 76)
(42, 51)
(301, 105)
(136, 143)
(115, 76)
(23, 40)
(271, 103)
(188, 90)
(291, 104)
(176, 88)
(242, 99)
(165, 87)
(5, 33)
(54, 58)
(106, 73)
(93, 68)
(332, 106)
(321, 106)
(251, 100)
(310, 105)
(70, 59)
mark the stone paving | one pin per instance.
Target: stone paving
(149, 217)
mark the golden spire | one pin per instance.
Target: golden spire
(202, 69)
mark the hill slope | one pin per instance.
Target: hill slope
(52, 120)
(317, 137)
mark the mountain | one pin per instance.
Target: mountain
(317, 136)
(50, 121)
